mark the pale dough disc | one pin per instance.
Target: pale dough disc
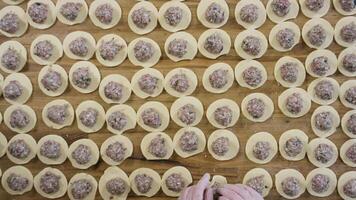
(94, 158)
(82, 14)
(344, 120)
(286, 173)
(328, 28)
(315, 14)
(191, 78)
(26, 85)
(300, 68)
(1, 83)
(281, 26)
(100, 119)
(158, 107)
(130, 114)
(153, 18)
(261, 137)
(218, 180)
(343, 53)
(348, 144)
(332, 61)
(125, 141)
(343, 88)
(156, 181)
(3, 145)
(20, 49)
(318, 100)
(116, 14)
(210, 70)
(303, 94)
(224, 37)
(135, 86)
(340, 10)
(267, 179)
(246, 33)
(201, 142)
(268, 109)
(83, 176)
(13, 2)
(261, 14)
(63, 150)
(116, 78)
(28, 110)
(202, 8)
(183, 101)
(151, 61)
(145, 143)
(292, 13)
(62, 183)
(339, 25)
(19, 171)
(64, 80)
(51, 18)
(184, 172)
(94, 74)
(32, 145)
(192, 45)
(109, 174)
(335, 121)
(119, 57)
(90, 41)
(23, 25)
(343, 179)
(234, 144)
(69, 118)
(292, 134)
(321, 171)
(184, 22)
(232, 105)
(311, 156)
(57, 51)
(244, 65)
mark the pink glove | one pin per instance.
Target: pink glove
(200, 191)
(238, 192)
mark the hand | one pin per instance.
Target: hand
(200, 191)
(238, 192)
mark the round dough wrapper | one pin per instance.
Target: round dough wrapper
(218, 180)
(261, 137)
(151, 61)
(339, 25)
(244, 65)
(156, 181)
(51, 18)
(28, 110)
(344, 120)
(57, 51)
(26, 85)
(283, 25)
(201, 142)
(343, 88)
(318, 100)
(90, 41)
(261, 11)
(242, 36)
(184, 172)
(20, 49)
(257, 172)
(340, 65)
(343, 179)
(1, 83)
(183, 101)
(335, 121)
(210, 70)
(119, 57)
(3, 145)
(329, 32)
(232, 105)
(19, 171)
(310, 153)
(286, 173)
(268, 110)
(32, 145)
(332, 61)
(321, 171)
(315, 14)
(82, 14)
(192, 45)
(94, 74)
(202, 8)
(184, 22)
(63, 150)
(224, 37)
(23, 25)
(158, 107)
(116, 13)
(83, 176)
(100, 118)
(69, 118)
(191, 77)
(13, 2)
(125, 141)
(340, 10)
(290, 134)
(303, 94)
(135, 86)
(348, 144)
(94, 158)
(292, 13)
(63, 183)
(64, 80)
(145, 143)
(234, 144)
(130, 114)
(109, 174)
(300, 76)
(116, 78)
(153, 18)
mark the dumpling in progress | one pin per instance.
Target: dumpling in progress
(261, 148)
(13, 22)
(294, 102)
(41, 14)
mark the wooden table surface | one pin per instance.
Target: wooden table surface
(235, 169)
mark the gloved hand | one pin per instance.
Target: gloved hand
(238, 192)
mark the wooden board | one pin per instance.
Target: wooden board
(235, 169)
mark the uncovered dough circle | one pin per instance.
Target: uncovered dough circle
(286, 173)
(246, 64)
(100, 118)
(62, 183)
(344, 120)
(210, 70)
(326, 26)
(300, 68)
(318, 100)
(267, 179)
(322, 171)
(339, 25)
(32, 145)
(232, 105)
(268, 109)
(184, 22)
(261, 137)
(64, 80)
(303, 94)
(153, 18)
(315, 14)
(311, 155)
(13, 2)
(51, 17)
(261, 14)
(27, 109)
(183, 101)
(135, 86)
(248, 33)
(57, 51)
(332, 61)
(20, 49)
(156, 181)
(125, 141)
(192, 45)
(90, 41)
(116, 13)
(94, 76)
(82, 14)
(343, 88)
(151, 61)
(23, 25)
(1, 83)
(83, 176)
(63, 150)
(3, 145)
(145, 143)
(340, 10)
(343, 53)
(292, 13)
(344, 148)
(119, 57)
(20, 171)
(94, 158)
(224, 37)
(69, 111)
(185, 174)
(201, 142)
(234, 144)
(335, 121)
(158, 107)
(283, 25)
(130, 114)
(109, 174)
(26, 85)
(116, 78)
(202, 8)
(291, 134)
(343, 179)
(191, 77)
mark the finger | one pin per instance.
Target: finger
(185, 193)
(229, 194)
(242, 191)
(235, 189)
(201, 186)
(224, 198)
(191, 193)
(254, 193)
(209, 194)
